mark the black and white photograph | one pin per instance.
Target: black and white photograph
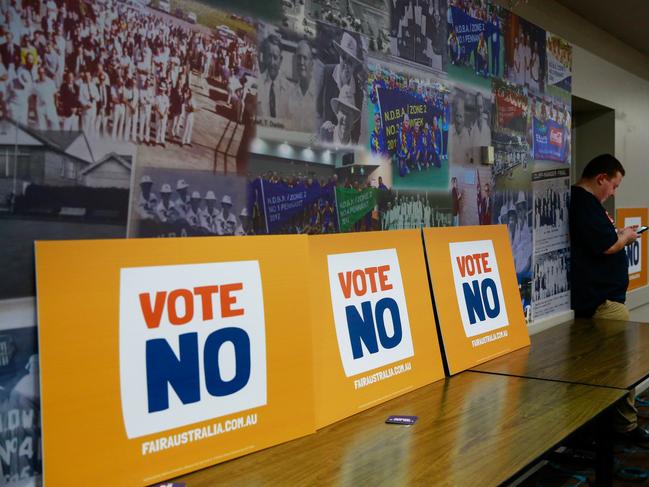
(551, 202)
(342, 84)
(470, 125)
(55, 185)
(370, 18)
(20, 407)
(512, 204)
(411, 209)
(551, 283)
(469, 136)
(510, 151)
(286, 87)
(181, 203)
(133, 74)
(513, 208)
(418, 32)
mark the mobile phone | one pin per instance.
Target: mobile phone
(641, 229)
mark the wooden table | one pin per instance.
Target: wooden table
(473, 429)
(593, 352)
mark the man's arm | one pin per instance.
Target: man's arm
(624, 237)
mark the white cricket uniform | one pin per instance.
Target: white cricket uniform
(226, 226)
(45, 91)
(131, 97)
(88, 96)
(161, 117)
(166, 213)
(208, 219)
(146, 103)
(146, 208)
(18, 101)
(189, 109)
(119, 111)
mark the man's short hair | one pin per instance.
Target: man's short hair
(603, 164)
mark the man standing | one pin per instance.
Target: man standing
(599, 275)
(118, 99)
(69, 103)
(459, 139)
(273, 93)
(378, 142)
(599, 272)
(147, 98)
(480, 131)
(161, 114)
(104, 106)
(405, 146)
(46, 92)
(303, 93)
(88, 97)
(456, 196)
(189, 109)
(495, 43)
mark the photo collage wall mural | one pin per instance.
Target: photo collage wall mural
(141, 118)
(154, 118)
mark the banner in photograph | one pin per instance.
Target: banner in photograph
(395, 104)
(354, 205)
(469, 30)
(511, 105)
(282, 202)
(550, 141)
(476, 293)
(372, 321)
(636, 252)
(188, 350)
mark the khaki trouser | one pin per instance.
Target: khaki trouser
(626, 414)
(612, 310)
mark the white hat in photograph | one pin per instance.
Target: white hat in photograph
(146, 180)
(521, 198)
(348, 47)
(226, 200)
(346, 100)
(196, 195)
(210, 196)
(181, 184)
(503, 214)
(165, 189)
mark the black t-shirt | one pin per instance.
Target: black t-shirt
(594, 276)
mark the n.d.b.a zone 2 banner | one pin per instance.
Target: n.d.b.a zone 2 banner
(170, 354)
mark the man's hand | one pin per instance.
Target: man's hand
(629, 234)
(625, 236)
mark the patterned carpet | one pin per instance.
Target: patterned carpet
(574, 465)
